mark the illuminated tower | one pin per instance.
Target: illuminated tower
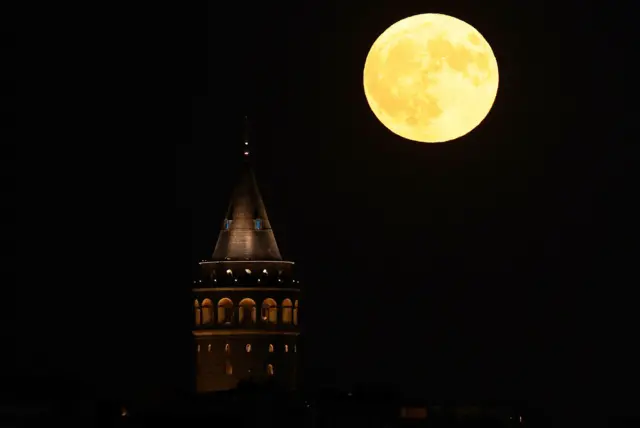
(247, 300)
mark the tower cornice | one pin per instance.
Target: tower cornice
(225, 289)
(233, 332)
(206, 262)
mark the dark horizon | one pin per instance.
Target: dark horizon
(491, 267)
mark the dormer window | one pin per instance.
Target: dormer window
(258, 223)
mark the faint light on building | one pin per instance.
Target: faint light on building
(413, 412)
(123, 412)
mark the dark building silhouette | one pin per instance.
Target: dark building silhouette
(246, 301)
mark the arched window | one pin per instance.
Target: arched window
(209, 348)
(270, 369)
(248, 347)
(207, 311)
(229, 368)
(270, 311)
(227, 349)
(295, 313)
(286, 348)
(286, 311)
(225, 311)
(196, 307)
(270, 348)
(247, 311)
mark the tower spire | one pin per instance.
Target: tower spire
(246, 233)
(246, 137)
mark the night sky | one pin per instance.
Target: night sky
(489, 267)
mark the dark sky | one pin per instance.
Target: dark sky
(489, 267)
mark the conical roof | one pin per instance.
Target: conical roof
(246, 232)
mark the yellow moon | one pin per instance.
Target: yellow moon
(431, 78)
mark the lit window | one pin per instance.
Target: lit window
(248, 347)
(248, 271)
(295, 348)
(209, 348)
(286, 348)
(270, 348)
(264, 271)
(227, 224)
(198, 348)
(229, 272)
(229, 368)
(258, 223)
(270, 369)
(227, 348)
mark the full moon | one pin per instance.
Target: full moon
(430, 78)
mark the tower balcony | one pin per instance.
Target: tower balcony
(248, 281)
(263, 327)
(270, 318)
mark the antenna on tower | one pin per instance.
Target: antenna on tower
(246, 137)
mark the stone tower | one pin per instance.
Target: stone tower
(247, 300)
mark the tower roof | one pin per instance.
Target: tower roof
(246, 232)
